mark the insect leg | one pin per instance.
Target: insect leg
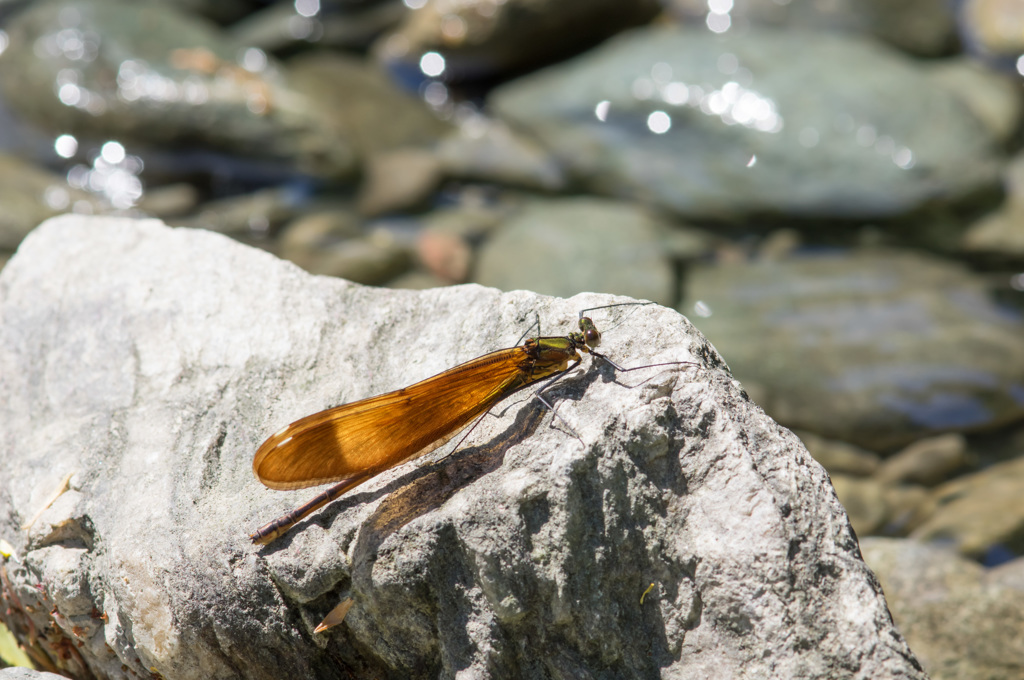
(548, 383)
(637, 368)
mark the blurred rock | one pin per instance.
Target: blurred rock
(363, 105)
(902, 503)
(922, 27)
(483, 39)
(840, 457)
(1000, 235)
(927, 462)
(29, 195)
(721, 126)
(488, 151)
(977, 513)
(149, 73)
(1008, 575)
(151, 362)
(257, 214)
(399, 180)
(446, 255)
(994, 98)
(345, 25)
(864, 501)
(994, 26)
(961, 626)
(879, 348)
(170, 200)
(418, 280)
(318, 228)
(567, 246)
(373, 259)
(221, 11)
(448, 236)
(471, 221)
(779, 244)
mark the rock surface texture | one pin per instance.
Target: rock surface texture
(149, 364)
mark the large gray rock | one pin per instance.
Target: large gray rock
(149, 363)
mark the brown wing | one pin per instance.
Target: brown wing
(375, 434)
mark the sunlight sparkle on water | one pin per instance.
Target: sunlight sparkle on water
(432, 64)
(904, 158)
(112, 152)
(307, 8)
(453, 28)
(56, 197)
(114, 175)
(66, 146)
(253, 59)
(675, 93)
(435, 94)
(659, 122)
(300, 27)
(718, 23)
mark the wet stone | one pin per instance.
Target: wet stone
(348, 25)
(148, 72)
(874, 348)
(650, 114)
(563, 247)
(362, 104)
(490, 151)
(922, 27)
(483, 39)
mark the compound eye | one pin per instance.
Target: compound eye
(590, 333)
